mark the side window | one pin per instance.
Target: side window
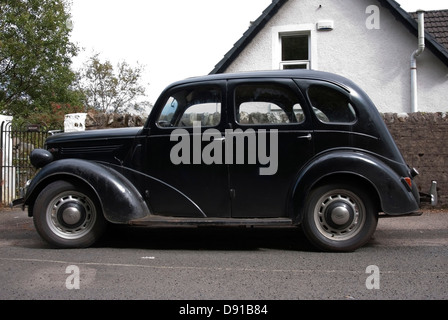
(330, 105)
(267, 104)
(186, 106)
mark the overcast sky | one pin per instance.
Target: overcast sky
(173, 39)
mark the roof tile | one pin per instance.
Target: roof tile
(436, 24)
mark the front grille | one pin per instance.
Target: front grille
(87, 150)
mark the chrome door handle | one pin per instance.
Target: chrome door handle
(308, 137)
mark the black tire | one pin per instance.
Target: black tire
(68, 216)
(339, 217)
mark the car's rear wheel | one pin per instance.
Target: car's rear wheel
(68, 216)
(339, 217)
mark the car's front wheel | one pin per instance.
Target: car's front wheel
(339, 217)
(68, 216)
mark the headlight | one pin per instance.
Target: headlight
(40, 158)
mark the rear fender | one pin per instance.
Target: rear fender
(395, 198)
(119, 199)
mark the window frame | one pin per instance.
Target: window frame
(284, 83)
(292, 30)
(175, 90)
(336, 89)
(284, 63)
(295, 62)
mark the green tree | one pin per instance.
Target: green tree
(108, 90)
(35, 57)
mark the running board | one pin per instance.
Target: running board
(153, 220)
(412, 214)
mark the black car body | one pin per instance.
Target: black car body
(265, 148)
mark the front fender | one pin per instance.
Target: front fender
(119, 199)
(395, 198)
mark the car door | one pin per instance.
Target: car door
(335, 117)
(273, 112)
(180, 182)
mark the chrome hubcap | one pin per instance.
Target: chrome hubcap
(339, 215)
(71, 215)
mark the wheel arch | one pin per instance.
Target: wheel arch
(64, 176)
(300, 196)
(118, 198)
(386, 186)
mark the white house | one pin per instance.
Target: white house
(368, 41)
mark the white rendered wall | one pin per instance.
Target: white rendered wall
(378, 59)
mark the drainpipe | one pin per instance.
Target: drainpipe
(415, 54)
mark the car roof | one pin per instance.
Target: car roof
(274, 74)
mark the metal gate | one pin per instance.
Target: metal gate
(16, 145)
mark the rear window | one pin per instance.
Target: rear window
(330, 105)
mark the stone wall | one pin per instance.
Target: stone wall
(95, 121)
(421, 137)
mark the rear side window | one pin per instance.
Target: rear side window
(330, 105)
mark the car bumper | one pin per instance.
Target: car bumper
(430, 197)
(18, 202)
(21, 200)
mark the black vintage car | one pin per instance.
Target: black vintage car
(277, 148)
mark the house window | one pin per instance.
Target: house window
(295, 51)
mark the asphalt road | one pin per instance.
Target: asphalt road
(406, 260)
